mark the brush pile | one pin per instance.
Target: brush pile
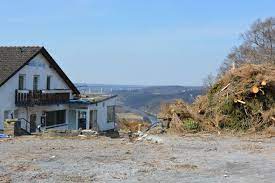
(243, 99)
(132, 126)
(179, 117)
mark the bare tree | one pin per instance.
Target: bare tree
(258, 46)
(209, 81)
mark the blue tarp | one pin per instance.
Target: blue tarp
(3, 136)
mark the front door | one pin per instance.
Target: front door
(93, 120)
(82, 119)
(33, 123)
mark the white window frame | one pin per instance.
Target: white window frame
(113, 117)
(24, 81)
(38, 80)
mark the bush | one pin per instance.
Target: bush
(190, 124)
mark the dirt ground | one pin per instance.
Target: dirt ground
(192, 158)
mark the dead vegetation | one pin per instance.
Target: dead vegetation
(179, 117)
(241, 100)
(132, 126)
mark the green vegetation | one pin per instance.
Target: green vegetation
(191, 125)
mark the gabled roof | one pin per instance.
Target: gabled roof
(12, 59)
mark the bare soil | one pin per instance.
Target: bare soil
(192, 158)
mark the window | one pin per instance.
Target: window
(48, 82)
(7, 115)
(21, 82)
(111, 114)
(55, 117)
(35, 82)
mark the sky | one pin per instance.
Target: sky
(138, 42)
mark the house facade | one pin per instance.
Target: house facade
(35, 90)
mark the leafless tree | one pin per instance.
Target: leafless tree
(209, 81)
(258, 46)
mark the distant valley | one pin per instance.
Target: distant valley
(144, 98)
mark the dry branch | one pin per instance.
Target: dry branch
(224, 88)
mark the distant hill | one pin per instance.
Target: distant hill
(145, 98)
(150, 98)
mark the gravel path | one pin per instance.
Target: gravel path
(198, 158)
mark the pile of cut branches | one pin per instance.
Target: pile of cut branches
(242, 99)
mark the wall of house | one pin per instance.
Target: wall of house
(39, 110)
(102, 114)
(38, 66)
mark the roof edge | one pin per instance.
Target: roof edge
(27, 61)
(46, 54)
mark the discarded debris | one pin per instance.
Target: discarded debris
(242, 99)
(4, 136)
(154, 139)
(132, 126)
(247, 103)
(179, 117)
(82, 136)
(271, 131)
(150, 138)
(89, 132)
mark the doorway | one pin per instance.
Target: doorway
(93, 120)
(82, 119)
(33, 123)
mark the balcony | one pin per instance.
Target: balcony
(41, 97)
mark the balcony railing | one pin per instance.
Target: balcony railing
(41, 97)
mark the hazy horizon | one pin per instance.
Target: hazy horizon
(156, 42)
(114, 84)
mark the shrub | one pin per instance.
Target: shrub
(190, 124)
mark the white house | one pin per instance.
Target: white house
(34, 89)
(99, 111)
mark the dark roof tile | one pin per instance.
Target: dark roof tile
(12, 58)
